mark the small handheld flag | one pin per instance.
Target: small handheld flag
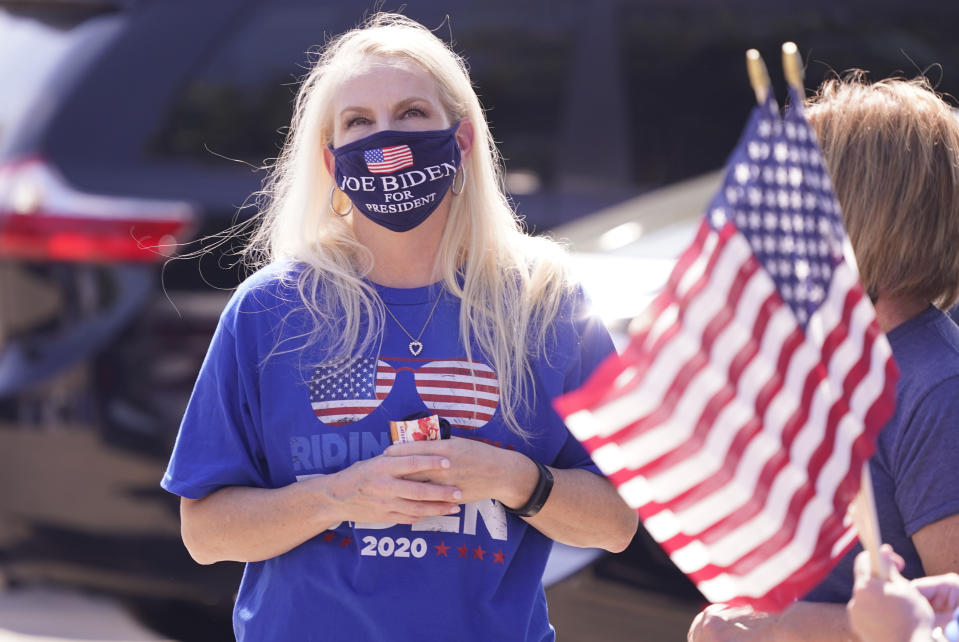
(738, 419)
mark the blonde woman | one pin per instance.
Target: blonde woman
(396, 282)
(892, 149)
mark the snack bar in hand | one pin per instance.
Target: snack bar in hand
(420, 429)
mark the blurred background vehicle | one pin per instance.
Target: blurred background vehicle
(136, 130)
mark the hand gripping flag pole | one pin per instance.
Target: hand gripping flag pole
(739, 417)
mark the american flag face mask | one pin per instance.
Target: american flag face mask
(398, 178)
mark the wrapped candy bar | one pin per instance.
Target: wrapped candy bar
(419, 429)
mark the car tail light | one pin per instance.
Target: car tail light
(43, 217)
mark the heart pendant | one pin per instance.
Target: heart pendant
(416, 348)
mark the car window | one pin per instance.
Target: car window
(41, 46)
(240, 100)
(526, 69)
(29, 50)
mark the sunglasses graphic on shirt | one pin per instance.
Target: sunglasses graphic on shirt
(466, 393)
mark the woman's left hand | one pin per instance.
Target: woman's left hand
(479, 470)
(583, 508)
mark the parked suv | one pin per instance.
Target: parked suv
(131, 131)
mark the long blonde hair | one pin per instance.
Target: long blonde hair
(892, 149)
(511, 285)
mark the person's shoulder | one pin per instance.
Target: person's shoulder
(269, 284)
(273, 289)
(552, 282)
(926, 348)
(577, 331)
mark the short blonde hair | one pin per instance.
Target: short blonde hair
(892, 149)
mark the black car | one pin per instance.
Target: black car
(134, 132)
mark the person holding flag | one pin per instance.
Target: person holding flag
(892, 150)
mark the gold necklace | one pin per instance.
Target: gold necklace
(416, 346)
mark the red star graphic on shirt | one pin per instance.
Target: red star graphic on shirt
(346, 541)
(478, 552)
(498, 557)
(441, 549)
(329, 536)
(462, 549)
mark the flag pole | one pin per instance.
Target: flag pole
(864, 506)
(758, 75)
(867, 523)
(792, 68)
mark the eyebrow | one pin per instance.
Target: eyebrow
(403, 103)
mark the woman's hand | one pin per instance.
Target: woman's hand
(382, 489)
(479, 470)
(249, 524)
(583, 508)
(798, 622)
(942, 593)
(724, 623)
(891, 609)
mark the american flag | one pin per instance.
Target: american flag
(738, 418)
(386, 160)
(465, 393)
(345, 393)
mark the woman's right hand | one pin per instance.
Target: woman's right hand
(374, 490)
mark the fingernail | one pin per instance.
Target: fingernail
(454, 509)
(457, 494)
(444, 463)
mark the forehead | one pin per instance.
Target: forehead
(377, 81)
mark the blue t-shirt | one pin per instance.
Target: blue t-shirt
(267, 411)
(914, 472)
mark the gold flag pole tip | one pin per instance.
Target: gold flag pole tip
(758, 75)
(792, 67)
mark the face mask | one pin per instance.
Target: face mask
(397, 178)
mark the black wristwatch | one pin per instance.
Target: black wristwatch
(540, 494)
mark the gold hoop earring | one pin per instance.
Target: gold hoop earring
(333, 207)
(461, 172)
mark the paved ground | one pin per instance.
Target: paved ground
(582, 608)
(58, 615)
(586, 608)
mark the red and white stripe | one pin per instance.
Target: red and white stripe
(395, 158)
(465, 393)
(737, 436)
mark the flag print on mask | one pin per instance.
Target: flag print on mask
(465, 393)
(386, 160)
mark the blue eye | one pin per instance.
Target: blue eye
(358, 120)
